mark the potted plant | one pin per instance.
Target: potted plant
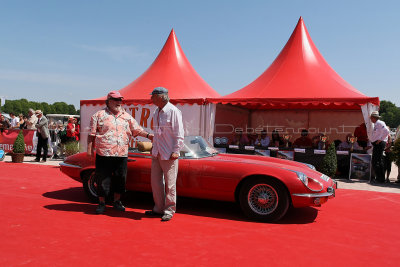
(71, 148)
(396, 155)
(18, 151)
(329, 162)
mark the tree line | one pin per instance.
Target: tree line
(22, 106)
(390, 113)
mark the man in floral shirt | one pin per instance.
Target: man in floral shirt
(110, 130)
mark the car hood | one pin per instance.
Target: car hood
(267, 161)
(83, 161)
(80, 159)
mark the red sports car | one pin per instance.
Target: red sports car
(264, 187)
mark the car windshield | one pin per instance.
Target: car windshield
(197, 147)
(194, 147)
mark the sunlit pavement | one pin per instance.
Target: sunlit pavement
(31, 160)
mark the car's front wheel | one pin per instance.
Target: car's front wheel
(264, 199)
(90, 185)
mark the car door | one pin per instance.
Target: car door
(211, 179)
(139, 172)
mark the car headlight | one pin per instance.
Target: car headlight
(312, 167)
(326, 178)
(302, 177)
(310, 183)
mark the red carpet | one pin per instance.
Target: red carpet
(46, 220)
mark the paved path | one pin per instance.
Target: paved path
(31, 160)
(391, 187)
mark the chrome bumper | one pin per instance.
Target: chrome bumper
(330, 193)
(315, 195)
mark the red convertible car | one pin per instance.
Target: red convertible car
(264, 187)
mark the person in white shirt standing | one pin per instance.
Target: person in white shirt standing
(379, 139)
(32, 120)
(14, 121)
(167, 143)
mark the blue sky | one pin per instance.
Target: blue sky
(71, 50)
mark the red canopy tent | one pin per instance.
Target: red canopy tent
(299, 90)
(172, 70)
(299, 78)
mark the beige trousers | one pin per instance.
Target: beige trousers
(163, 185)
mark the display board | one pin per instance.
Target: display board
(360, 166)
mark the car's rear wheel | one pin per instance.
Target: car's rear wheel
(264, 199)
(89, 182)
(90, 185)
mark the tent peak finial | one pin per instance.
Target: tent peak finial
(172, 33)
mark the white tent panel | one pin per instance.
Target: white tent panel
(197, 119)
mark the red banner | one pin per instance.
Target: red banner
(7, 138)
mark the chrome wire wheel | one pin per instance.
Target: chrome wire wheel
(92, 184)
(263, 199)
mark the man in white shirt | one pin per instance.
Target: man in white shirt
(167, 142)
(378, 140)
(14, 121)
(32, 120)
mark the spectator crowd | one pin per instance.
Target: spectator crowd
(58, 133)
